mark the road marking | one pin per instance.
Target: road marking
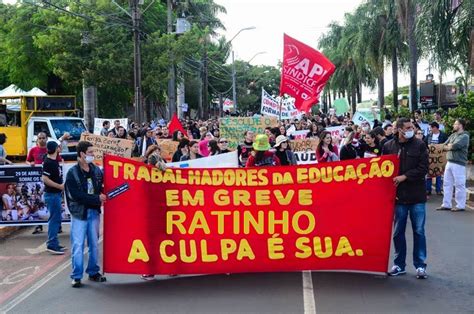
(39, 249)
(308, 293)
(28, 292)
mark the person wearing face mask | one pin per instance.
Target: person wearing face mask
(410, 197)
(84, 199)
(351, 148)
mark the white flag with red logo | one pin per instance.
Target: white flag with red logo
(304, 74)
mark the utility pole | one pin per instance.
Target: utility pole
(205, 98)
(172, 70)
(234, 89)
(137, 76)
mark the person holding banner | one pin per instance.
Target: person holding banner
(261, 156)
(84, 198)
(213, 148)
(181, 150)
(153, 157)
(283, 151)
(410, 197)
(326, 151)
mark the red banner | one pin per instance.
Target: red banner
(304, 74)
(330, 216)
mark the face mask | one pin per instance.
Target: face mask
(89, 159)
(409, 134)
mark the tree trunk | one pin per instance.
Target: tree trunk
(89, 94)
(413, 54)
(353, 98)
(380, 85)
(359, 93)
(395, 78)
(439, 88)
(329, 97)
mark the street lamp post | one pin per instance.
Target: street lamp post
(257, 54)
(234, 90)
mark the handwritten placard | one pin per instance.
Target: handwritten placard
(107, 145)
(304, 145)
(437, 160)
(233, 128)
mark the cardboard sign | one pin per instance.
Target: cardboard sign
(107, 145)
(304, 145)
(437, 160)
(168, 148)
(233, 128)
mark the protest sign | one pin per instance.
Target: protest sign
(437, 160)
(306, 158)
(108, 145)
(168, 148)
(304, 145)
(299, 135)
(271, 107)
(360, 118)
(227, 160)
(336, 131)
(205, 221)
(99, 121)
(233, 128)
(22, 191)
(341, 105)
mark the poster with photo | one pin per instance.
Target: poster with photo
(22, 193)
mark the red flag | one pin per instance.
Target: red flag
(305, 72)
(176, 125)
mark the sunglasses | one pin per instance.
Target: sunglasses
(223, 142)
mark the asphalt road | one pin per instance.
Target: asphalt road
(32, 281)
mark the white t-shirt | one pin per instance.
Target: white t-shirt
(435, 138)
(8, 200)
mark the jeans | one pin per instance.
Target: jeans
(417, 217)
(454, 177)
(53, 202)
(80, 229)
(429, 184)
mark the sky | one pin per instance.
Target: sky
(305, 20)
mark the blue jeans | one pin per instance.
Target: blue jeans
(53, 202)
(429, 184)
(417, 217)
(80, 229)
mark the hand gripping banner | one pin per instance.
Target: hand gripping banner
(305, 72)
(330, 216)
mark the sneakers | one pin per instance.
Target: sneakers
(443, 208)
(396, 271)
(421, 273)
(455, 209)
(37, 230)
(147, 277)
(55, 251)
(97, 278)
(62, 248)
(76, 283)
